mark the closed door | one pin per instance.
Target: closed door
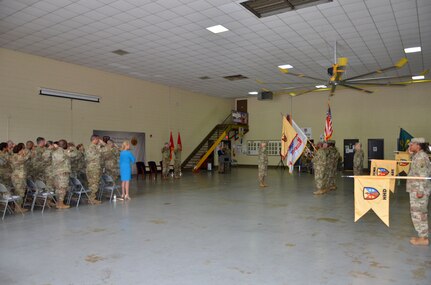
(349, 152)
(241, 105)
(375, 150)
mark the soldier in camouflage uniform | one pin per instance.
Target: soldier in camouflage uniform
(17, 161)
(177, 162)
(358, 159)
(47, 164)
(38, 164)
(61, 169)
(166, 158)
(112, 157)
(334, 158)
(29, 145)
(262, 164)
(419, 190)
(5, 168)
(81, 164)
(93, 157)
(319, 166)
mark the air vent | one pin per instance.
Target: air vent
(235, 77)
(120, 52)
(204, 77)
(265, 8)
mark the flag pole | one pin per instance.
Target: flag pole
(390, 177)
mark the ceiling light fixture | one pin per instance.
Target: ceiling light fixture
(253, 93)
(68, 95)
(412, 49)
(217, 29)
(418, 77)
(285, 66)
(321, 86)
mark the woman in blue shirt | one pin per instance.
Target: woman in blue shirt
(126, 161)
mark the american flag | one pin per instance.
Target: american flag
(328, 124)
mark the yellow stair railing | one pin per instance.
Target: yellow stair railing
(212, 148)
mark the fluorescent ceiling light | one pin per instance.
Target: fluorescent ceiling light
(321, 86)
(418, 77)
(68, 95)
(253, 93)
(285, 66)
(412, 49)
(217, 29)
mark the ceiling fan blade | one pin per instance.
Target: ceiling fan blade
(281, 83)
(356, 88)
(397, 65)
(286, 71)
(375, 83)
(378, 78)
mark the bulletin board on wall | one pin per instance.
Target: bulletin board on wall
(273, 147)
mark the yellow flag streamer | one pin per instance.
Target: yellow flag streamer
(403, 166)
(288, 133)
(384, 168)
(372, 194)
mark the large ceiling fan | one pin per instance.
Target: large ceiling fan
(336, 79)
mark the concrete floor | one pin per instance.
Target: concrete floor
(216, 229)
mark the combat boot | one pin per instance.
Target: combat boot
(94, 202)
(61, 205)
(20, 209)
(319, 192)
(419, 241)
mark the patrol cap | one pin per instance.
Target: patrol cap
(417, 140)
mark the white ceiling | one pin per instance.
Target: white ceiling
(168, 42)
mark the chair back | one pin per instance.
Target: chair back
(153, 166)
(3, 189)
(140, 166)
(107, 179)
(41, 186)
(31, 185)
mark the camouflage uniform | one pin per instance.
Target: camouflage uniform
(420, 166)
(177, 163)
(111, 157)
(333, 159)
(38, 163)
(165, 161)
(61, 170)
(93, 157)
(47, 162)
(19, 175)
(81, 165)
(358, 162)
(262, 164)
(5, 169)
(319, 165)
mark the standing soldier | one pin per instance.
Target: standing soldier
(112, 156)
(17, 161)
(334, 158)
(5, 168)
(38, 160)
(81, 164)
(61, 168)
(419, 190)
(358, 159)
(263, 164)
(177, 162)
(319, 165)
(47, 162)
(93, 156)
(165, 160)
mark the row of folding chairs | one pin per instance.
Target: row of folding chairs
(38, 194)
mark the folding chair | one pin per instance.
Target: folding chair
(153, 168)
(42, 193)
(29, 194)
(6, 198)
(77, 189)
(142, 169)
(108, 186)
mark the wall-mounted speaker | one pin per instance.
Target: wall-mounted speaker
(265, 95)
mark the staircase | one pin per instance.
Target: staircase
(198, 156)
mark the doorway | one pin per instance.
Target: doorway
(375, 150)
(349, 152)
(241, 105)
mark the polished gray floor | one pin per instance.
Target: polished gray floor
(216, 229)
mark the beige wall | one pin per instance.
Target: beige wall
(127, 104)
(355, 115)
